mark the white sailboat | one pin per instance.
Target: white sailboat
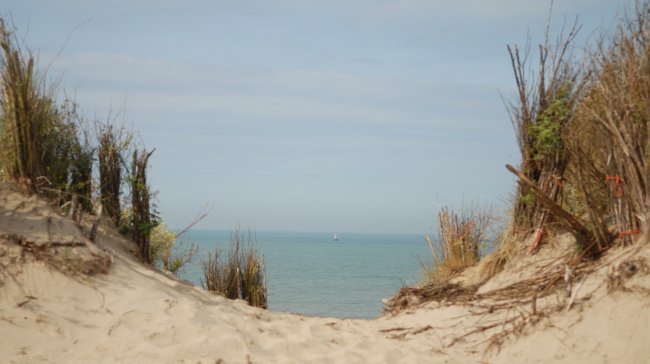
(336, 237)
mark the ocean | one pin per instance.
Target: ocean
(311, 274)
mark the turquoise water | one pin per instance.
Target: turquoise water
(310, 274)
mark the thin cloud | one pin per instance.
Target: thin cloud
(373, 10)
(159, 86)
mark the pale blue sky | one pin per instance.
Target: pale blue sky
(363, 116)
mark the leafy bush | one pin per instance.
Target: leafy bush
(163, 246)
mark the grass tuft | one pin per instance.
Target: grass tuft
(241, 275)
(461, 236)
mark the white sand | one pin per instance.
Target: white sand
(134, 314)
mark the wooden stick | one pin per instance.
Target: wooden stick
(574, 295)
(582, 234)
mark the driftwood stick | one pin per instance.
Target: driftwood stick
(574, 295)
(582, 234)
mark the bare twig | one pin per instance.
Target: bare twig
(203, 213)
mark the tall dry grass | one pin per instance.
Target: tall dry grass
(241, 275)
(461, 237)
(26, 110)
(44, 145)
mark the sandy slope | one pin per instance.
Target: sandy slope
(50, 313)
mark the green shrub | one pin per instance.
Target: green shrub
(164, 252)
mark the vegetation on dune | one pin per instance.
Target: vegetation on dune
(113, 143)
(240, 275)
(461, 235)
(44, 145)
(611, 136)
(582, 125)
(143, 221)
(166, 252)
(540, 115)
(46, 148)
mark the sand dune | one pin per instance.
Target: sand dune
(64, 299)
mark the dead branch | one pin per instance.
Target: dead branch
(581, 233)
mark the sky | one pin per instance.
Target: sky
(329, 116)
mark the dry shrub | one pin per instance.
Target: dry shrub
(611, 136)
(540, 113)
(113, 143)
(595, 115)
(141, 214)
(242, 275)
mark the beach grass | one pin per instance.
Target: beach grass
(239, 275)
(44, 145)
(461, 235)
